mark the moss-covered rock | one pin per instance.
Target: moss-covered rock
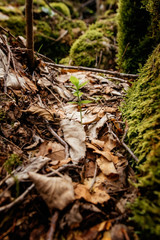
(137, 34)
(16, 24)
(142, 111)
(61, 7)
(95, 48)
(10, 10)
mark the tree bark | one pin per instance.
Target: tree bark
(29, 33)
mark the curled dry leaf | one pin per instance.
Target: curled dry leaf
(107, 167)
(98, 196)
(53, 150)
(75, 136)
(21, 172)
(57, 192)
(47, 114)
(93, 130)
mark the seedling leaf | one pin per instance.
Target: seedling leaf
(86, 101)
(74, 81)
(82, 84)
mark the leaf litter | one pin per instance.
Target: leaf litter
(83, 188)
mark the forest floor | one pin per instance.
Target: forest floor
(61, 178)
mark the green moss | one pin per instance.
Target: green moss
(61, 7)
(136, 36)
(87, 49)
(12, 162)
(107, 26)
(10, 10)
(16, 24)
(142, 111)
(65, 61)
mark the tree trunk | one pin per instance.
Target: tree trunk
(29, 34)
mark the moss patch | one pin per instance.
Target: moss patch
(96, 46)
(16, 24)
(142, 111)
(62, 8)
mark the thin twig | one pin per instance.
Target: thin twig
(53, 132)
(8, 65)
(62, 168)
(94, 177)
(58, 138)
(11, 143)
(17, 200)
(56, 11)
(22, 196)
(94, 70)
(52, 228)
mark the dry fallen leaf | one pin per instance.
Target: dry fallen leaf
(107, 167)
(75, 136)
(106, 154)
(53, 150)
(99, 196)
(34, 165)
(47, 114)
(57, 192)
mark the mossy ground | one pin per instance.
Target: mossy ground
(142, 111)
(95, 48)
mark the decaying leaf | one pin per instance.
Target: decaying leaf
(75, 136)
(98, 196)
(106, 154)
(34, 165)
(47, 114)
(57, 192)
(53, 150)
(107, 167)
(93, 130)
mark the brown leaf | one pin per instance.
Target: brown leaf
(53, 150)
(74, 135)
(47, 114)
(106, 154)
(99, 196)
(57, 192)
(107, 167)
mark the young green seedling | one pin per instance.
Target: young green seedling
(77, 86)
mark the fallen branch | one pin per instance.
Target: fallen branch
(53, 132)
(8, 64)
(94, 177)
(17, 200)
(56, 11)
(52, 229)
(122, 143)
(94, 70)
(22, 196)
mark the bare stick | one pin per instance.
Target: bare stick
(65, 166)
(52, 229)
(56, 11)
(122, 143)
(29, 33)
(53, 132)
(17, 200)
(94, 177)
(8, 66)
(58, 138)
(94, 70)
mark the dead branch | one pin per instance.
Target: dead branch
(8, 65)
(29, 33)
(94, 177)
(52, 229)
(56, 11)
(53, 132)
(94, 70)
(17, 200)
